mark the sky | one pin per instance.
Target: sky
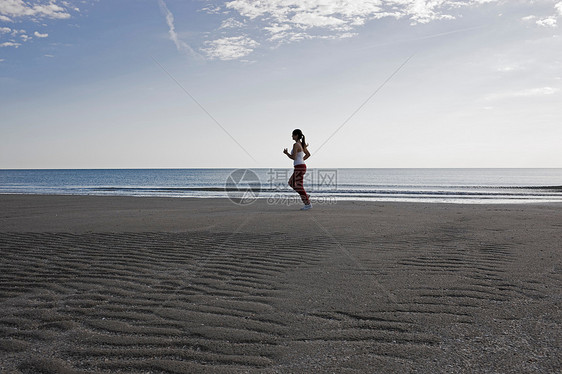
(222, 84)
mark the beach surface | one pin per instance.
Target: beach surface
(169, 285)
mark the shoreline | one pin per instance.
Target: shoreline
(295, 200)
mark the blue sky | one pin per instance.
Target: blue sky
(107, 84)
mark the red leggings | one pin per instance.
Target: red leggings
(296, 182)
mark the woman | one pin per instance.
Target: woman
(299, 154)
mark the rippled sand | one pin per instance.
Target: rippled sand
(153, 285)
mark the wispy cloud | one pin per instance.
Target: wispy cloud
(39, 35)
(509, 68)
(531, 92)
(181, 46)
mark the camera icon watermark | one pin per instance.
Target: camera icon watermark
(244, 187)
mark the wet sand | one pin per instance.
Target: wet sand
(161, 285)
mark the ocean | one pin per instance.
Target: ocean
(490, 186)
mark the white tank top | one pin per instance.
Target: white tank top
(299, 159)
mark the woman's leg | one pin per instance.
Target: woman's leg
(292, 180)
(297, 182)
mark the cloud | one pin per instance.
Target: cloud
(18, 8)
(10, 44)
(22, 35)
(307, 14)
(547, 22)
(39, 12)
(286, 21)
(423, 11)
(532, 92)
(212, 9)
(16, 32)
(550, 21)
(180, 44)
(508, 68)
(338, 14)
(230, 48)
(308, 20)
(277, 29)
(230, 23)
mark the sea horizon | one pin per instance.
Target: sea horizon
(281, 167)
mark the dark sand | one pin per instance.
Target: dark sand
(155, 285)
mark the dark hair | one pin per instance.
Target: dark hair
(300, 135)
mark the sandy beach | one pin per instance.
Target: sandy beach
(164, 285)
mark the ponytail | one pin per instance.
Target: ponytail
(300, 137)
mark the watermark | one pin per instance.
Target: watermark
(243, 186)
(282, 199)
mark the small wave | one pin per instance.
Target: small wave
(175, 189)
(383, 189)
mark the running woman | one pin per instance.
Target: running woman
(299, 154)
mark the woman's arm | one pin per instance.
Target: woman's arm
(292, 154)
